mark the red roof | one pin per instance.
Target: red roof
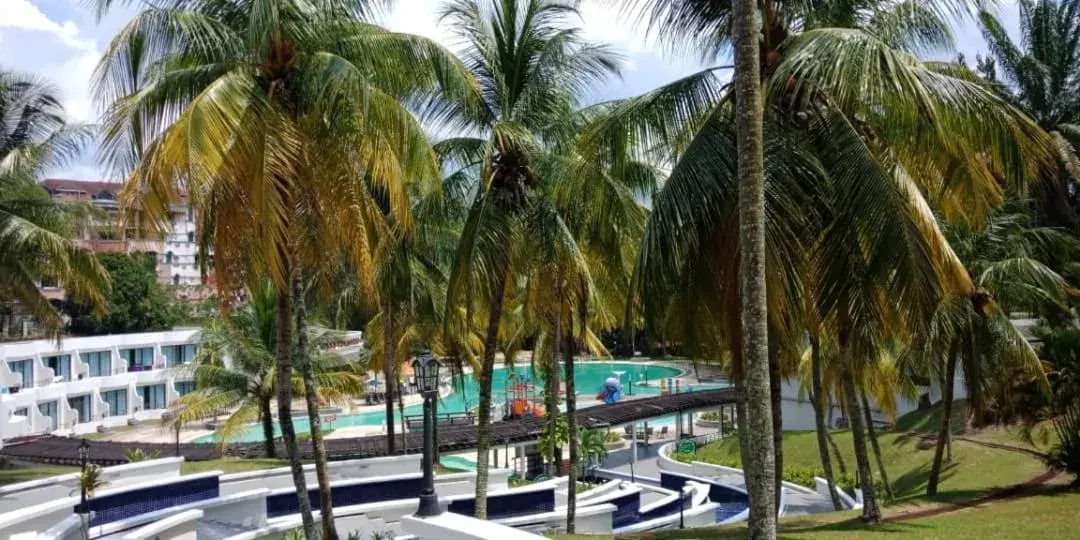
(90, 188)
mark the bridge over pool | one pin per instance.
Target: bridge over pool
(63, 450)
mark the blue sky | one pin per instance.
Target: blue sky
(61, 41)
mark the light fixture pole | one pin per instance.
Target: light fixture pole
(84, 512)
(426, 368)
(682, 504)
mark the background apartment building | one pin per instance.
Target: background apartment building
(177, 253)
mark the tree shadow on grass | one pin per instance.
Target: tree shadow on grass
(853, 525)
(913, 482)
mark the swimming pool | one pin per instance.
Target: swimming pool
(589, 377)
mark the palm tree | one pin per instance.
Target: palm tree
(35, 232)
(972, 333)
(273, 119)
(234, 370)
(890, 137)
(760, 471)
(532, 68)
(1041, 75)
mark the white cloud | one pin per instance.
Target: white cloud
(56, 50)
(22, 14)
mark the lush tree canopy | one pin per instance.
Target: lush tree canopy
(136, 303)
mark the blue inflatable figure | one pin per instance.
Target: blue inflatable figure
(611, 391)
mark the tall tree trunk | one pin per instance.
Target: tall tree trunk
(776, 403)
(388, 370)
(749, 113)
(551, 392)
(284, 359)
(266, 417)
(835, 448)
(326, 504)
(571, 407)
(484, 378)
(819, 420)
(872, 433)
(741, 430)
(945, 430)
(871, 511)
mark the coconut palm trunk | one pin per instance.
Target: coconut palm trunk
(750, 133)
(872, 435)
(871, 511)
(284, 359)
(776, 403)
(819, 420)
(484, 378)
(945, 431)
(571, 421)
(551, 396)
(303, 357)
(266, 418)
(388, 370)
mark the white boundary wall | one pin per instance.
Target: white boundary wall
(23, 494)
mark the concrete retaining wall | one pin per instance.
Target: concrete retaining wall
(34, 492)
(449, 526)
(178, 527)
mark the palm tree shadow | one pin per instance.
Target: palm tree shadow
(913, 482)
(855, 525)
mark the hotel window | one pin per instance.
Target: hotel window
(184, 387)
(81, 405)
(176, 355)
(117, 400)
(138, 359)
(153, 397)
(61, 365)
(25, 368)
(48, 410)
(100, 363)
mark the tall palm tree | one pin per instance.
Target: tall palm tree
(272, 118)
(533, 69)
(1041, 74)
(858, 164)
(35, 232)
(760, 471)
(234, 370)
(972, 333)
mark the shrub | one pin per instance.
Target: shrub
(712, 416)
(138, 454)
(612, 436)
(801, 476)
(1067, 425)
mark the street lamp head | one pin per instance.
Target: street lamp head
(84, 450)
(426, 368)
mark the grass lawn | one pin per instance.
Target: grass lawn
(14, 476)
(1050, 516)
(974, 471)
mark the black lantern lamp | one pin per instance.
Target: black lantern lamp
(426, 369)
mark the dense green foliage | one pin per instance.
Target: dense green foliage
(135, 303)
(35, 232)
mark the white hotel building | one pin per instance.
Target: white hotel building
(88, 382)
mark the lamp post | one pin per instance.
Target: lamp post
(84, 455)
(426, 368)
(682, 504)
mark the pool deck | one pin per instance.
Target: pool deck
(191, 433)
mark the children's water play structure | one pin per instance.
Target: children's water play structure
(521, 398)
(611, 392)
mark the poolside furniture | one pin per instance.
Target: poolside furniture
(663, 431)
(629, 431)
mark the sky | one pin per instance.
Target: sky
(61, 41)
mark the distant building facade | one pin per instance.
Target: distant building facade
(177, 252)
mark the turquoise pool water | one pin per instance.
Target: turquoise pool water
(589, 378)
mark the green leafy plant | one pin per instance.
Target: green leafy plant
(138, 454)
(90, 480)
(1067, 425)
(612, 437)
(562, 437)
